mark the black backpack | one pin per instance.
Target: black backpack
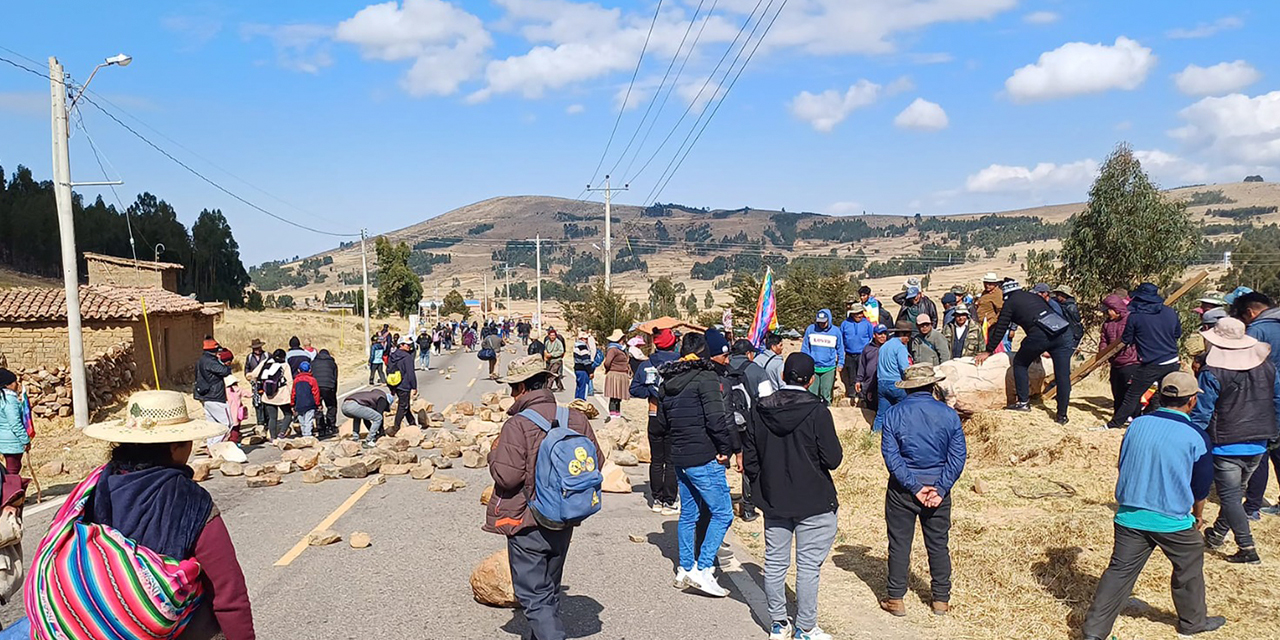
(536, 348)
(738, 398)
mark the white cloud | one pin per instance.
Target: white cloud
(845, 208)
(901, 85)
(447, 44)
(1206, 29)
(825, 110)
(299, 47)
(25, 103)
(1078, 68)
(999, 178)
(1220, 79)
(834, 27)
(628, 98)
(1235, 128)
(922, 115)
(575, 109)
(196, 30)
(1170, 169)
(1041, 17)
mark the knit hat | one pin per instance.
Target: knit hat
(1010, 286)
(949, 298)
(798, 367)
(664, 339)
(7, 377)
(304, 366)
(717, 344)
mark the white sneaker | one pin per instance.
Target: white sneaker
(671, 509)
(815, 633)
(704, 580)
(682, 580)
(781, 630)
(656, 507)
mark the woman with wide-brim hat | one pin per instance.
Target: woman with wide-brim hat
(143, 515)
(617, 373)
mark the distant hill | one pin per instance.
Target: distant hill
(701, 247)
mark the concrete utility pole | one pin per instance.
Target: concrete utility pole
(507, 266)
(608, 230)
(538, 262)
(484, 310)
(364, 263)
(67, 234)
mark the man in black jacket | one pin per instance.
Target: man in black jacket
(210, 389)
(257, 354)
(644, 385)
(744, 381)
(788, 454)
(691, 413)
(325, 370)
(1027, 310)
(1155, 329)
(401, 361)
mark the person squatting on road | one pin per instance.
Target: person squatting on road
(1047, 332)
(1166, 469)
(789, 452)
(536, 551)
(146, 494)
(691, 413)
(367, 408)
(644, 385)
(1237, 406)
(924, 450)
(824, 343)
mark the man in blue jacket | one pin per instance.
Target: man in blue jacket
(893, 363)
(924, 451)
(1260, 313)
(856, 332)
(824, 343)
(1166, 469)
(1155, 329)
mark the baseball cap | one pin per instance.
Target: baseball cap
(881, 329)
(304, 366)
(1179, 384)
(949, 298)
(1041, 288)
(1212, 316)
(923, 319)
(912, 292)
(822, 316)
(798, 366)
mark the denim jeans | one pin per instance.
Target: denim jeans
(703, 489)
(889, 395)
(307, 419)
(360, 413)
(583, 380)
(1230, 477)
(1253, 498)
(424, 358)
(813, 538)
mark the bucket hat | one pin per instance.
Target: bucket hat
(523, 369)
(616, 336)
(918, 375)
(1233, 349)
(155, 417)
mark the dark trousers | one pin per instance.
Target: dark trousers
(1143, 377)
(1230, 477)
(1034, 345)
(1253, 496)
(402, 407)
(1185, 550)
(1121, 379)
(901, 510)
(662, 474)
(849, 374)
(330, 399)
(277, 424)
(537, 566)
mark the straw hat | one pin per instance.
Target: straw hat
(992, 278)
(523, 369)
(155, 417)
(918, 375)
(616, 336)
(1233, 349)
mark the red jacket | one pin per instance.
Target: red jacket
(305, 376)
(1113, 329)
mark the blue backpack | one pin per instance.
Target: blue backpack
(567, 478)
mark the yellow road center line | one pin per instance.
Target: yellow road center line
(472, 383)
(324, 524)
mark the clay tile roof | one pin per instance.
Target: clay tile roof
(97, 302)
(126, 262)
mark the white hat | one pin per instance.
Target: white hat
(155, 417)
(992, 278)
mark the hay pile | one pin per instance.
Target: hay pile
(1027, 568)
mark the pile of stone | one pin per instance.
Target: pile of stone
(111, 374)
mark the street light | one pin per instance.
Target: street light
(66, 228)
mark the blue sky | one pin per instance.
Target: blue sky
(349, 114)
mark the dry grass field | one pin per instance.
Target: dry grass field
(342, 336)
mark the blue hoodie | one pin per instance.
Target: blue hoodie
(825, 346)
(1153, 326)
(1266, 328)
(856, 335)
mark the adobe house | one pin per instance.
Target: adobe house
(33, 321)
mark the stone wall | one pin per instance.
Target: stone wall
(111, 375)
(121, 276)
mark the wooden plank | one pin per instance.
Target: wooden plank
(1089, 366)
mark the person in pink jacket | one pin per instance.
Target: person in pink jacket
(235, 406)
(1125, 361)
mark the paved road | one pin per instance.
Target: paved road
(413, 581)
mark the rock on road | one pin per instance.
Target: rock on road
(412, 582)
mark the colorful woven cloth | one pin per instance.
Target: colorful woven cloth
(89, 582)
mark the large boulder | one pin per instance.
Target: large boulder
(615, 479)
(969, 388)
(491, 582)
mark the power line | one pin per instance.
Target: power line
(128, 217)
(653, 100)
(627, 98)
(723, 96)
